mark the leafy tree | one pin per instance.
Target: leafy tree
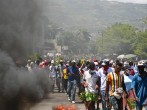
(83, 41)
(145, 20)
(51, 31)
(65, 38)
(84, 35)
(117, 39)
(77, 42)
(140, 45)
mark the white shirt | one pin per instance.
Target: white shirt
(103, 77)
(101, 74)
(52, 71)
(29, 67)
(128, 81)
(91, 81)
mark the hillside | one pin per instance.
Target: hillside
(93, 15)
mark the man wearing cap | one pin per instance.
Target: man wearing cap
(139, 86)
(73, 72)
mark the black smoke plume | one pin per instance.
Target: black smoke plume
(20, 33)
(21, 23)
(18, 86)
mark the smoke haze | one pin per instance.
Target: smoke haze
(20, 33)
(18, 85)
(131, 1)
(20, 27)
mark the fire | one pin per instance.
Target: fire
(65, 107)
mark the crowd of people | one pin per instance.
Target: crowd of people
(116, 84)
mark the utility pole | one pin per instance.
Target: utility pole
(102, 45)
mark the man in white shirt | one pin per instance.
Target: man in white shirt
(91, 85)
(102, 74)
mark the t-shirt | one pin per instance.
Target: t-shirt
(103, 77)
(128, 81)
(61, 67)
(101, 74)
(140, 86)
(91, 81)
(75, 70)
(58, 72)
(65, 73)
(52, 71)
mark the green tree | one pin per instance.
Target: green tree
(117, 39)
(77, 42)
(65, 38)
(140, 45)
(145, 20)
(83, 41)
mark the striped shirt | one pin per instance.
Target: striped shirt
(114, 81)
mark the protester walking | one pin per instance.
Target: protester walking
(52, 74)
(90, 82)
(62, 67)
(102, 74)
(73, 72)
(126, 72)
(139, 86)
(114, 88)
(65, 77)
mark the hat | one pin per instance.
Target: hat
(29, 61)
(111, 62)
(106, 61)
(61, 61)
(126, 64)
(73, 61)
(103, 64)
(96, 63)
(141, 64)
(52, 61)
(67, 65)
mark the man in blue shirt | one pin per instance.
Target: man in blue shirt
(73, 73)
(139, 86)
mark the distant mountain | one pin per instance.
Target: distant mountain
(93, 15)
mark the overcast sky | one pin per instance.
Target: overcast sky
(132, 1)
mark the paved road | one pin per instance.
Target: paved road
(58, 98)
(55, 99)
